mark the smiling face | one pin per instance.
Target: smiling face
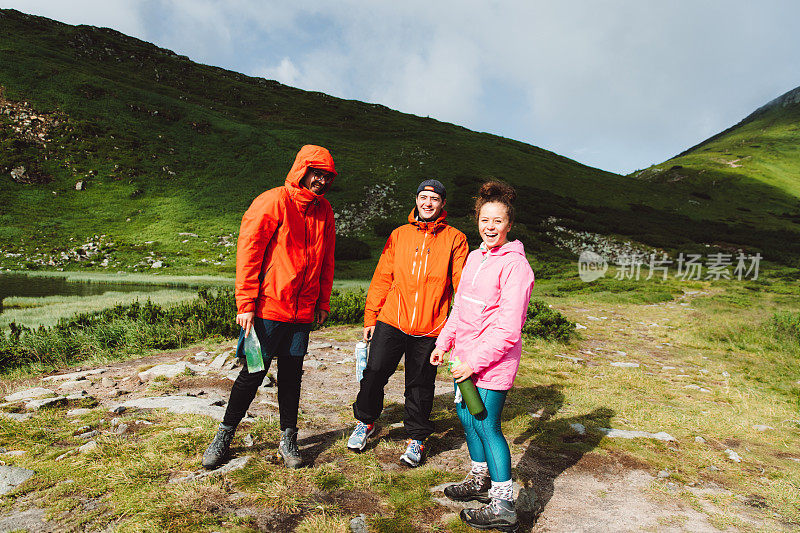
(315, 180)
(493, 224)
(429, 205)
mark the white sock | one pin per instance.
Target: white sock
(479, 469)
(502, 490)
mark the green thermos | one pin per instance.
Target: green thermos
(469, 392)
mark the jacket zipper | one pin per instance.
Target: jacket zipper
(419, 272)
(480, 266)
(305, 256)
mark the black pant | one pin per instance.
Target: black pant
(387, 347)
(290, 373)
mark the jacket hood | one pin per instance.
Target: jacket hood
(310, 156)
(434, 226)
(511, 247)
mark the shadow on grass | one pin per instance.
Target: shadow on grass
(554, 447)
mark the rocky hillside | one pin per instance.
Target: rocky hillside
(110, 143)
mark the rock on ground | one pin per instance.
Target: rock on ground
(232, 465)
(30, 394)
(614, 433)
(75, 375)
(169, 370)
(180, 405)
(13, 476)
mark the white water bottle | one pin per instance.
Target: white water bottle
(361, 360)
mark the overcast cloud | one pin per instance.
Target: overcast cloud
(617, 84)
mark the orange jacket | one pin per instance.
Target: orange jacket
(284, 259)
(416, 277)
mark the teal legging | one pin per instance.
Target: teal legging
(485, 439)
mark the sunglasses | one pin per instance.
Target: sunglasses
(321, 174)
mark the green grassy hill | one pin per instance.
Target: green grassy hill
(754, 165)
(169, 154)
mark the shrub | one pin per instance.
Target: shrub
(546, 323)
(347, 307)
(141, 326)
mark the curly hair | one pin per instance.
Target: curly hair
(496, 191)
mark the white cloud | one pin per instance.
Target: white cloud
(285, 72)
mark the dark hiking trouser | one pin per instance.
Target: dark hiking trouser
(387, 347)
(285, 342)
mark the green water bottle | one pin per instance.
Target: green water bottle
(469, 392)
(252, 352)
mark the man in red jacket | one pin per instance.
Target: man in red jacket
(284, 275)
(406, 308)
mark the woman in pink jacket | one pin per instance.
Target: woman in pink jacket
(484, 331)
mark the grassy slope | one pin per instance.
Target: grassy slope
(753, 165)
(136, 113)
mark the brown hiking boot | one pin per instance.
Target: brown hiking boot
(472, 488)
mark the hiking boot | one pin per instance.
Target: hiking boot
(217, 451)
(358, 439)
(499, 514)
(472, 488)
(289, 450)
(414, 453)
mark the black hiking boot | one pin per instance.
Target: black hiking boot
(217, 451)
(289, 450)
(472, 488)
(499, 514)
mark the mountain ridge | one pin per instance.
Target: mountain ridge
(163, 147)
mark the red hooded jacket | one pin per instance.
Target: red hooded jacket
(284, 258)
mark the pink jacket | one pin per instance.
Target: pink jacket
(484, 329)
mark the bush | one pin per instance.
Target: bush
(142, 326)
(347, 307)
(351, 249)
(546, 323)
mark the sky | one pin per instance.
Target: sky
(615, 84)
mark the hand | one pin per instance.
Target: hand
(461, 371)
(320, 316)
(246, 321)
(368, 331)
(437, 357)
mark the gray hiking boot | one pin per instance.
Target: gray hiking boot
(289, 450)
(472, 488)
(499, 514)
(217, 451)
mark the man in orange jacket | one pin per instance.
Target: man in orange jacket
(284, 275)
(407, 306)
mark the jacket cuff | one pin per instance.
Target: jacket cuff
(246, 307)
